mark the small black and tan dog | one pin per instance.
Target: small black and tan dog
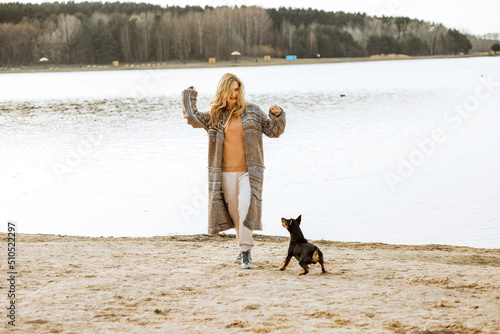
(305, 252)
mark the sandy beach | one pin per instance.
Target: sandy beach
(189, 284)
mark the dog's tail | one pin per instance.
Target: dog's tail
(315, 256)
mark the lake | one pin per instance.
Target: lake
(402, 152)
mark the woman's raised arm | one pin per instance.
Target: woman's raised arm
(274, 125)
(195, 118)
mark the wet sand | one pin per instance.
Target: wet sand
(189, 284)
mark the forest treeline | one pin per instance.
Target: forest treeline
(99, 33)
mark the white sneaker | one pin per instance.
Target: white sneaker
(246, 260)
(238, 258)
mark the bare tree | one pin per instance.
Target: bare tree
(168, 26)
(483, 44)
(125, 40)
(69, 27)
(218, 25)
(199, 25)
(436, 32)
(144, 23)
(287, 31)
(180, 34)
(263, 26)
(50, 44)
(17, 43)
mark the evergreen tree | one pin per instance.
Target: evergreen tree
(102, 41)
(382, 44)
(457, 42)
(415, 46)
(495, 47)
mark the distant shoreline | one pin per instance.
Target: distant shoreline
(227, 63)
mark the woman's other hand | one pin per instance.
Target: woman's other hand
(276, 110)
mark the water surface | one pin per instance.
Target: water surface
(408, 155)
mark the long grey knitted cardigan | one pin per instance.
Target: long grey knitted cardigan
(255, 123)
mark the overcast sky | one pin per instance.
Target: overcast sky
(471, 16)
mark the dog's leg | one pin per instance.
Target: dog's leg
(322, 266)
(287, 261)
(306, 270)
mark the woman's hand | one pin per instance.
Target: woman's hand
(276, 110)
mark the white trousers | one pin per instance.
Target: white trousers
(237, 192)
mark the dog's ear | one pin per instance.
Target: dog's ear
(298, 219)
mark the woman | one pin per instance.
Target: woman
(235, 158)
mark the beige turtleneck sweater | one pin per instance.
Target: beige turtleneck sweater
(233, 154)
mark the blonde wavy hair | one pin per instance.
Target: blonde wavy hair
(218, 104)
